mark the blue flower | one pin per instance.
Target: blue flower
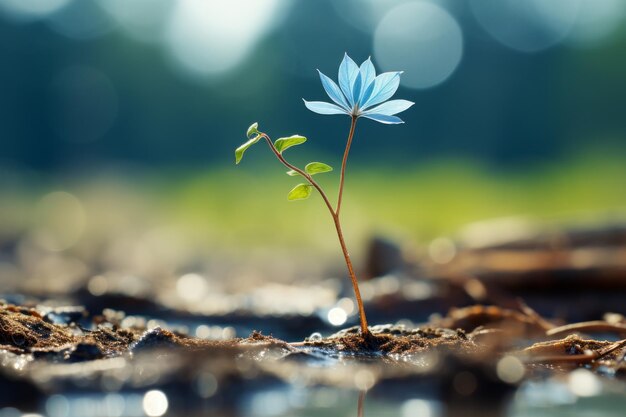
(359, 90)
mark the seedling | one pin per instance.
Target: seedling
(360, 93)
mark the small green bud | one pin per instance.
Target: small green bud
(253, 130)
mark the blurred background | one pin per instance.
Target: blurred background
(119, 120)
(119, 193)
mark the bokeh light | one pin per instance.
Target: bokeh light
(527, 26)
(363, 14)
(81, 20)
(10, 412)
(364, 379)
(31, 9)
(143, 20)
(155, 403)
(442, 250)
(213, 37)
(584, 383)
(419, 407)
(421, 38)
(192, 287)
(597, 20)
(337, 316)
(57, 406)
(510, 369)
(206, 385)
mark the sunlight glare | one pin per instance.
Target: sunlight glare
(155, 403)
(211, 37)
(31, 9)
(421, 38)
(337, 316)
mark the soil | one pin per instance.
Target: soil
(80, 345)
(25, 330)
(397, 340)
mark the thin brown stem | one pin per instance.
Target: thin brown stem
(344, 163)
(355, 284)
(335, 215)
(308, 177)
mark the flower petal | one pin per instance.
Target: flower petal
(383, 118)
(391, 107)
(367, 94)
(356, 89)
(368, 74)
(322, 107)
(385, 86)
(348, 70)
(333, 91)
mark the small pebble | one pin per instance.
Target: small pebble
(315, 337)
(153, 338)
(65, 315)
(84, 352)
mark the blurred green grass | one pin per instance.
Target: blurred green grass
(244, 207)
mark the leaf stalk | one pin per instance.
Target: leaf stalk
(334, 212)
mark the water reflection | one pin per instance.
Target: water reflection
(398, 397)
(416, 407)
(155, 403)
(104, 405)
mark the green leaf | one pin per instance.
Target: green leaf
(240, 150)
(252, 130)
(300, 192)
(317, 168)
(293, 173)
(282, 144)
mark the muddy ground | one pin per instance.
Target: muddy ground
(520, 327)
